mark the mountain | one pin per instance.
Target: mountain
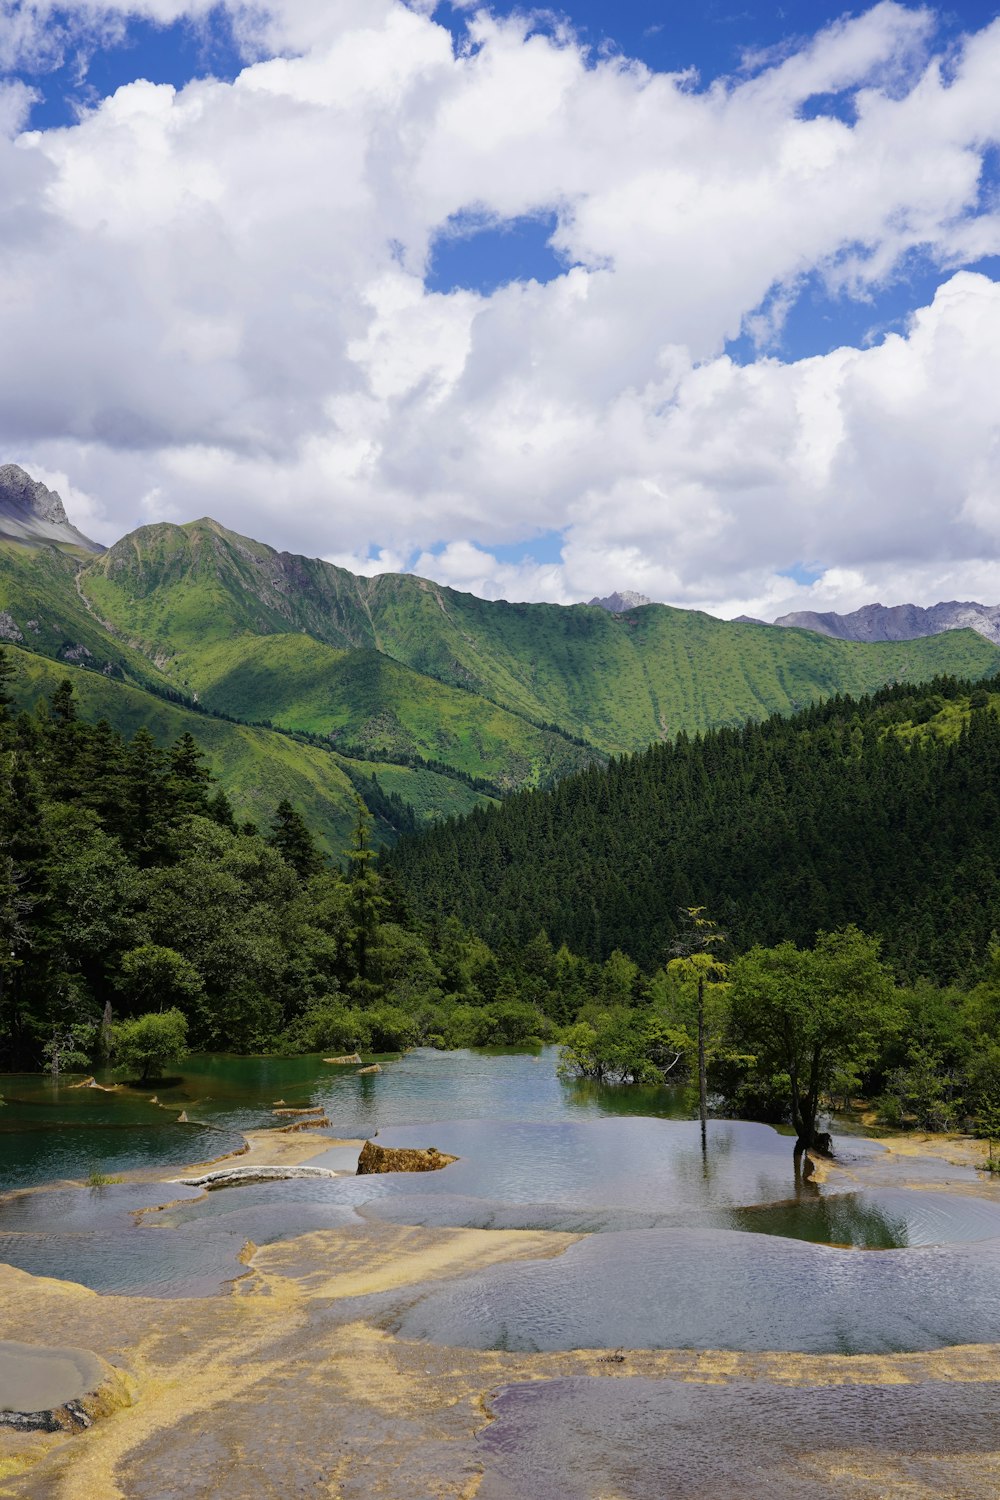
(618, 602)
(257, 767)
(268, 636)
(882, 812)
(31, 513)
(447, 699)
(900, 622)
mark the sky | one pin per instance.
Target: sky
(697, 300)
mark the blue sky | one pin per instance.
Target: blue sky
(465, 361)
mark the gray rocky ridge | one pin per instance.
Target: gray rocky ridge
(618, 602)
(900, 622)
(30, 512)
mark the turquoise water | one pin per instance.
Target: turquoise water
(49, 1132)
(686, 1244)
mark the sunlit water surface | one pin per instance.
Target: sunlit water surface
(584, 1438)
(714, 1245)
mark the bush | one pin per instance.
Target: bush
(145, 1044)
(328, 1025)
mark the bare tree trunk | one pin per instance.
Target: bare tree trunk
(702, 1086)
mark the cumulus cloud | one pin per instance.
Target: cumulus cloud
(216, 299)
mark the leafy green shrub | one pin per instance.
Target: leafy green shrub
(145, 1044)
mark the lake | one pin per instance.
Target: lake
(684, 1244)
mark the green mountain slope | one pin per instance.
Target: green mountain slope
(256, 767)
(186, 595)
(364, 701)
(44, 611)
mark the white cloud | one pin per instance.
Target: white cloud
(215, 301)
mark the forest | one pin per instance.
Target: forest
(139, 919)
(127, 888)
(881, 811)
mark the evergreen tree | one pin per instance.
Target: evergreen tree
(293, 841)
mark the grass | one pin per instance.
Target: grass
(395, 668)
(98, 1179)
(193, 594)
(256, 767)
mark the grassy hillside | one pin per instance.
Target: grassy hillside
(256, 767)
(187, 595)
(47, 615)
(365, 701)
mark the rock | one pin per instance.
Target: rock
(621, 600)
(182, 1118)
(341, 1061)
(900, 622)
(317, 1111)
(314, 1122)
(392, 1159)
(9, 630)
(30, 512)
(373, 1068)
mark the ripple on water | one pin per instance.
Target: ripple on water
(705, 1289)
(581, 1438)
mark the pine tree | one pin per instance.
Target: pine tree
(293, 841)
(188, 777)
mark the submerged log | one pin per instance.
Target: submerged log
(397, 1159)
(240, 1176)
(341, 1061)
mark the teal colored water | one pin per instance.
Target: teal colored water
(50, 1132)
(714, 1244)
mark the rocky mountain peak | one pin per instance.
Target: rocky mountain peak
(18, 491)
(901, 622)
(31, 512)
(618, 602)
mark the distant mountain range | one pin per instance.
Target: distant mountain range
(873, 622)
(900, 622)
(305, 681)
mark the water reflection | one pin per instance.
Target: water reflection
(714, 1241)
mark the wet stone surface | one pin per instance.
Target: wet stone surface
(637, 1438)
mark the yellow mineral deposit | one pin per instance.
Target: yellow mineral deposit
(256, 1391)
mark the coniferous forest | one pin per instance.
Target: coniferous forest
(127, 888)
(881, 812)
